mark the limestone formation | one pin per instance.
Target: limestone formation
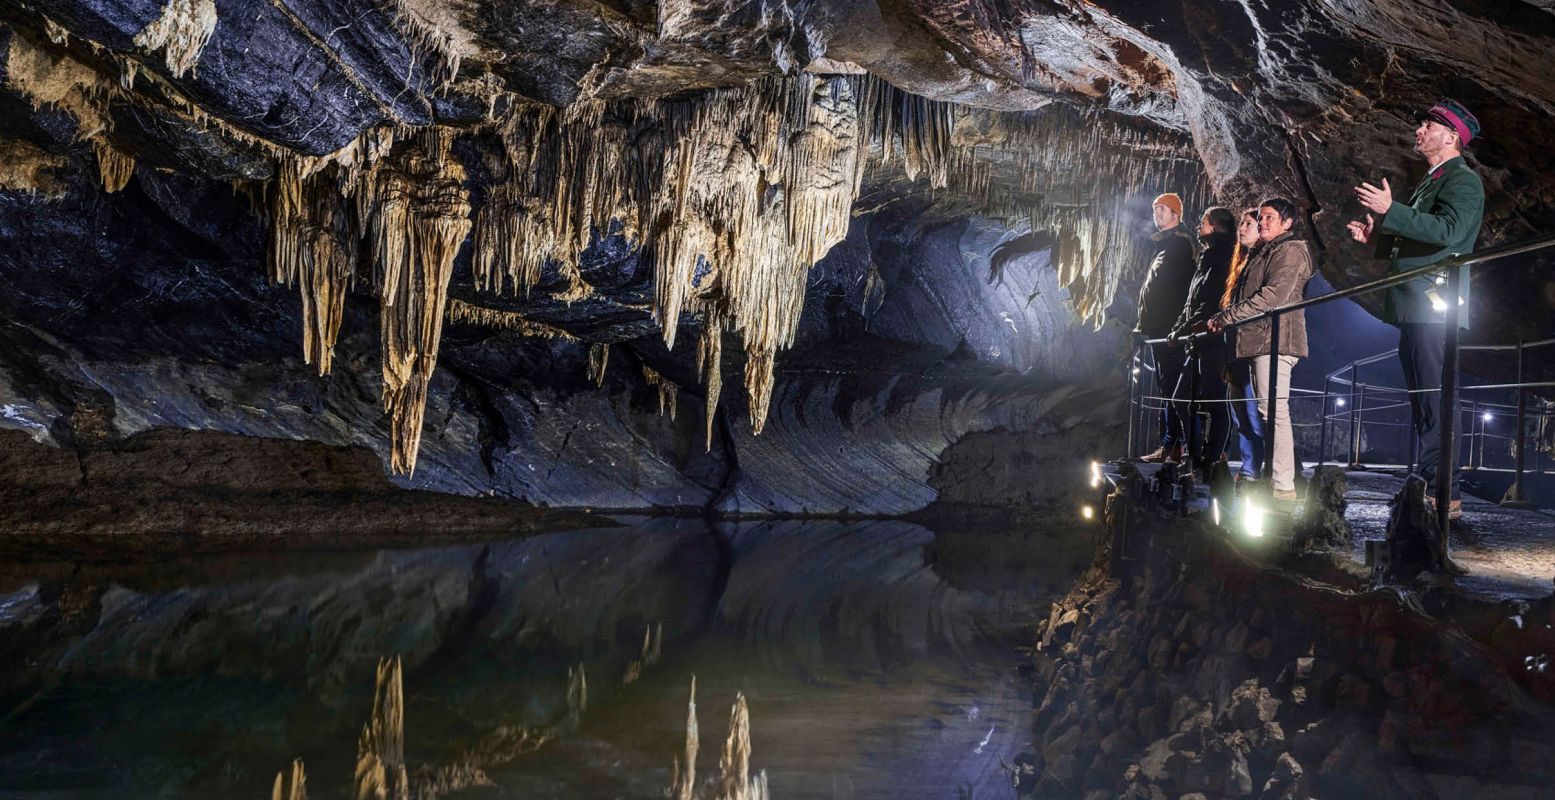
(380, 759)
(180, 33)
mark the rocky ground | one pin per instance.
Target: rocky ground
(1180, 667)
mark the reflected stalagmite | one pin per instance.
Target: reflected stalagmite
(683, 784)
(299, 784)
(380, 760)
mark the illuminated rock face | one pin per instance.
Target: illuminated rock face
(785, 212)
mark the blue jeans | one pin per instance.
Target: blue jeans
(1249, 423)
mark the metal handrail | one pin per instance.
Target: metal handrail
(1450, 354)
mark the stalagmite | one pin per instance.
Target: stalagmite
(299, 784)
(577, 693)
(652, 642)
(734, 779)
(380, 753)
(669, 393)
(683, 784)
(180, 33)
(420, 219)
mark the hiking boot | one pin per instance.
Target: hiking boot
(1162, 455)
(1453, 568)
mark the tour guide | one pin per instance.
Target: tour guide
(1441, 220)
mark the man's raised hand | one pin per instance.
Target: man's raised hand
(1361, 231)
(1375, 199)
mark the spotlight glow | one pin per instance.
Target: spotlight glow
(1095, 475)
(1485, 416)
(1339, 402)
(1252, 519)
(1136, 370)
(1214, 510)
(1087, 513)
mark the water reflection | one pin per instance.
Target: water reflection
(869, 670)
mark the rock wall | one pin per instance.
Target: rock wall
(1188, 670)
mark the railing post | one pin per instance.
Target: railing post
(1134, 383)
(1515, 498)
(1271, 433)
(1191, 426)
(1322, 439)
(1447, 462)
(1357, 397)
(1475, 420)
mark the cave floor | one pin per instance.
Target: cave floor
(1510, 553)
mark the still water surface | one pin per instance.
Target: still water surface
(878, 659)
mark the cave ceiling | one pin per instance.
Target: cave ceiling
(398, 143)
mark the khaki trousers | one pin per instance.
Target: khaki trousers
(1284, 442)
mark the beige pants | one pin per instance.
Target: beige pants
(1284, 441)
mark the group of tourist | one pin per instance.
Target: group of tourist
(1204, 295)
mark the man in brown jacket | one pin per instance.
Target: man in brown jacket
(1276, 275)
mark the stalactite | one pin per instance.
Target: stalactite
(25, 167)
(710, 367)
(180, 33)
(758, 385)
(669, 393)
(50, 77)
(114, 166)
(683, 782)
(380, 753)
(299, 784)
(599, 358)
(462, 313)
(431, 48)
(421, 217)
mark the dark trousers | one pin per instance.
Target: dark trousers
(1249, 423)
(1206, 364)
(1169, 361)
(1420, 353)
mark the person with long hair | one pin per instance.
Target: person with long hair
(1275, 276)
(1239, 371)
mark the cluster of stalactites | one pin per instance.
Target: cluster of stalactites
(48, 76)
(421, 215)
(734, 195)
(1073, 173)
(669, 393)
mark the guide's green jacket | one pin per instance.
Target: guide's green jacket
(1441, 220)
